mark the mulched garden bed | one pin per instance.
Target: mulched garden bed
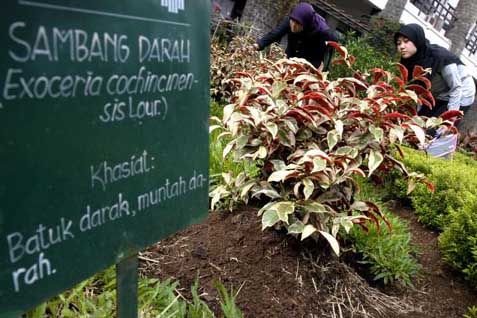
(277, 276)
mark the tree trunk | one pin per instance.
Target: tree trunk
(466, 13)
(394, 9)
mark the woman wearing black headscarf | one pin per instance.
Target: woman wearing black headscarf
(307, 33)
(453, 87)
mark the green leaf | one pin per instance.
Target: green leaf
(283, 210)
(273, 129)
(277, 88)
(315, 207)
(346, 150)
(376, 132)
(296, 228)
(318, 164)
(265, 207)
(278, 165)
(269, 218)
(374, 160)
(332, 138)
(332, 241)
(307, 231)
(309, 187)
(241, 141)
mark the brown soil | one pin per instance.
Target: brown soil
(276, 276)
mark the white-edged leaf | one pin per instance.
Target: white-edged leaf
(228, 148)
(279, 176)
(246, 188)
(376, 132)
(420, 134)
(307, 231)
(265, 207)
(315, 207)
(214, 127)
(278, 165)
(309, 187)
(397, 132)
(271, 193)
(227, 177)
(332, 138)
(273, 129)
(339, 128)
(319, 164)
(283, 210)
(228, 110)
(296, 228)
(332, 241)
(269, 218)
(374, 160)
(305, 77)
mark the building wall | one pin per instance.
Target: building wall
(264, 15)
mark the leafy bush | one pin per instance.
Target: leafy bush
(451, 208)
(381, 37)
(367, 57)
(458, 242)
(226, 61)
(389, 256)
(96, 297)
(312, 136)
(455, 183)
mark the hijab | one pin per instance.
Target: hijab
(427, 55)
(306, 16)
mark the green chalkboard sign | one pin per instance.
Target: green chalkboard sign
(103, 136)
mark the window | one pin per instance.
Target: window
(471, 40)
(439, 13)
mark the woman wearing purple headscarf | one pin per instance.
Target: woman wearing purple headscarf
(307, 33)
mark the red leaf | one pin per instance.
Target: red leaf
(425, 80)
(451, 114)
(396, 115)
(410, 109)
(400, 82)
(429, 185)
(239, 74)
(339, 61)
(404, 72)
(338, 47)
(352, 59)
(378, 74)
(417, 71)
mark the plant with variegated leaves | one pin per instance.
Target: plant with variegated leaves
(236, 57)
(313, 136)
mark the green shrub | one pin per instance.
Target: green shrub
(389, 256)
(367, 57)
(381, 37)
(455, 183)
(96, 297)
(471, 312)
(458, 242)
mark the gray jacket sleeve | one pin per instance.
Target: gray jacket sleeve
(451, 76)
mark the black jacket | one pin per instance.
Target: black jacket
(308, 45)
